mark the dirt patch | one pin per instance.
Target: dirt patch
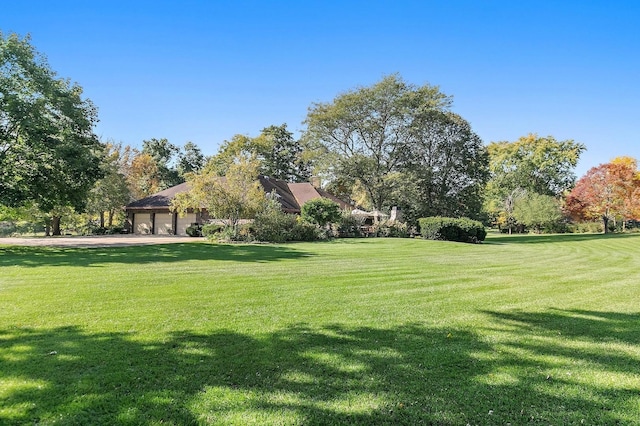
(97, 241)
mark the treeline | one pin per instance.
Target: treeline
(389, 144)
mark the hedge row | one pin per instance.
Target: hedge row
(452, 229)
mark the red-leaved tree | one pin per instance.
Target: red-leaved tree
(605, 192)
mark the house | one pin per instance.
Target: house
(152, 214)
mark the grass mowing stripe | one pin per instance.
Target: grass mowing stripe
(372, 331)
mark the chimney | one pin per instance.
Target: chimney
(396, 214)
(315, 181)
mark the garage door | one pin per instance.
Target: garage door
(142, 223)
(184, 222)
(164, 223)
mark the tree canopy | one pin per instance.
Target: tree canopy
(48, 151)
(365, 131)
(236, 196)
(399, 143)
(607, 191)
(537, 164)
(530, 165)
(278, 154)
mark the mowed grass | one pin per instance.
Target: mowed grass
(518, 330)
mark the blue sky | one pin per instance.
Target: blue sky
(203, 71)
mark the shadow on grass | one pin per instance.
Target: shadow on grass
(56, 256)
(332, 375)
(554, 238)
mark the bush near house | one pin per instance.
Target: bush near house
(462, 229)
(392, 229)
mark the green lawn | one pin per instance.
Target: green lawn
(519, 330)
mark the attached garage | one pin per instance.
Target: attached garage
(163, 224)
(142, 223)
(184, 222)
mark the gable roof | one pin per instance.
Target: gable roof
(290, 195)
(160, 199)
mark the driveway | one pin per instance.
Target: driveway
(98, 240)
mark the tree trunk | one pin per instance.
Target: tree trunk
(605, 221)
(110, 220)
(101, 219)
(55, 224)
(47, 227)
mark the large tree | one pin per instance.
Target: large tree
(537, 164)
(111, 193)
(48, 151)
(165, 155)
(446, 164)
(366, 132)
(190, 159)
(278, 153)
(605, 192)
(531, 165)
(237, 195)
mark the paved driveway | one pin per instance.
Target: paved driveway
(98, 240)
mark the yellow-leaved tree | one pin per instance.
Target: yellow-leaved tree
(230, 198)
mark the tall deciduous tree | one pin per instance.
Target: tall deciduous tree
(446, 162)
(237, 195)
(48, 151)
(532, 165)
(542, 165)
(143, 176)
(164, 154)
(110, 193)
(604, 192)
(190, 159)
(366, 132)
(279, 155)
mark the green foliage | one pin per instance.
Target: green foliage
(542, 165)
(392, 229)
(586, 228)
(349, 225)
(308, 333)
(210, 230)
(303, 231)
(462, 230)
(278, 154)
(236, 196)
(48, 151)
(444, 168)
(364, 133)
(538, 212)
(110, 193)
(164, 155)
(190, 159)
(274, 225)
(320, 211)
(194, 231)
(530, 165)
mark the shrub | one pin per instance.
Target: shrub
(303, 231)
(349, 225)
(210, 230)
(452, 229)
(194, 230)
(393, 229)
(320, 211)
(274, 225)
(7, 228)
(586, 228)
